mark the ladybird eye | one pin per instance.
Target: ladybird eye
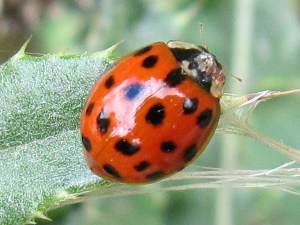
(204, 79)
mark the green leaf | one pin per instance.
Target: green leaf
(41, 159)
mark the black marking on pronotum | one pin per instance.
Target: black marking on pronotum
(143, 165)
(204, 118)
(133, 90)
(86, 143)
(103, 122)
(150, 61)
(174, 77)
(142, 51)
(190, 152)
(156, 114)
(109, 82)
(193, 65)
(185, 54)
(190, 105)
(168, 146)
(155, 175)
(111, 170)
(126, 147)
(89, 109)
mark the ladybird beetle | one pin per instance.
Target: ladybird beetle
(153, 113)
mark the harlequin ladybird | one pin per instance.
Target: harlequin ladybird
(153, 113)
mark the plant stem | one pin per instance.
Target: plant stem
(243, 20)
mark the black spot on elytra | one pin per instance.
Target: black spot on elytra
(174, 77)
(86, 143)
(156, 114)
(142, 166)
(126, 147)
(185, 54)
(89, 109)
(109, 82)
(204, 118)
(111, 170)
(168, 146)
(190, 153)
(133, 90)
(150, 61)
(103, 122)
(155, 175)
(190, 105)
(142, 51)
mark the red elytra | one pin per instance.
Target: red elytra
(153, 113)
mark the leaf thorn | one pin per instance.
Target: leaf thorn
(21, 53)
(41, 215)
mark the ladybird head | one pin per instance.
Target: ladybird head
(201, 65)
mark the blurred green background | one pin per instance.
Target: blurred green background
(259, 41)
